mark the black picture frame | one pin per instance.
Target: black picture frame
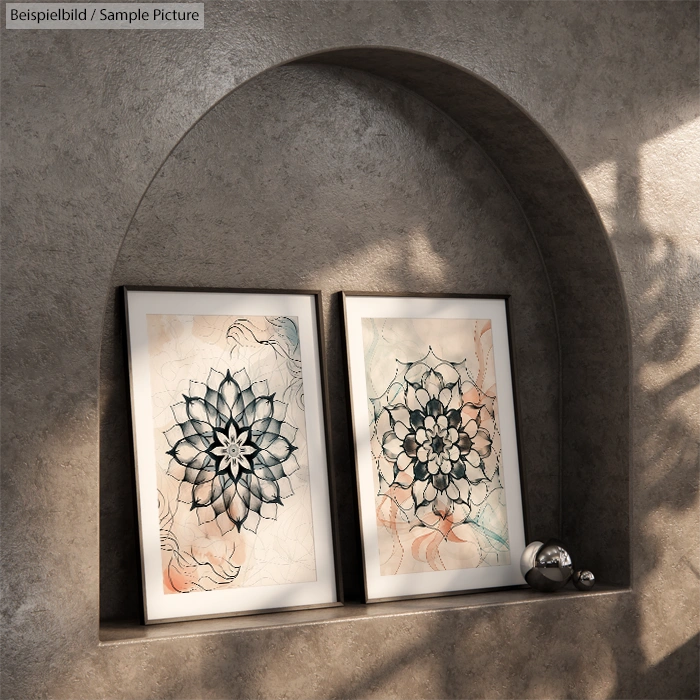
(141, 301)
(375, 302)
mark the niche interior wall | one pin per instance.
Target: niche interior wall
(314, 175)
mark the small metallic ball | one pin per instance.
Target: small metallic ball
(584, 580)
(552, 567)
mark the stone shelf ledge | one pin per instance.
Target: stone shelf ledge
(131, 632)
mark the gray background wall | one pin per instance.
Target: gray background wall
(315, 176)
(89, 119)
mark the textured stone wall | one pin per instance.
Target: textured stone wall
(326, 178)
(90, 117)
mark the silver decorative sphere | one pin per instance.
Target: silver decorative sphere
(584, 580)
(548, 566)
(527, 560)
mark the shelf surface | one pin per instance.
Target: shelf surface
(130, 632)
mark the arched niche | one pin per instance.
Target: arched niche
(380, 169)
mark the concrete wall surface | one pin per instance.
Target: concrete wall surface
(115, 171)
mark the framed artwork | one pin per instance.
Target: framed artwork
(436, 452)
(232, 470)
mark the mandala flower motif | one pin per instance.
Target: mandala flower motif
(432, 446)
(233, 450)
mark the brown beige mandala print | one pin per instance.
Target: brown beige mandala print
(233, 477)
(435, 444)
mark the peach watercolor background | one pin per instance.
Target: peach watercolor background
(406, 547)
(184, 348)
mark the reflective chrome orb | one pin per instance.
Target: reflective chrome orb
(527, 560)
(552, 567)
(584, 580)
